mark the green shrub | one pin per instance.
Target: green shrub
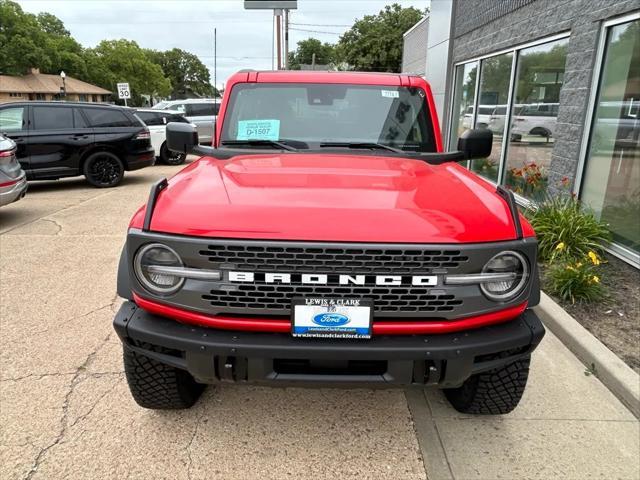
(564, 227)
(576, 281)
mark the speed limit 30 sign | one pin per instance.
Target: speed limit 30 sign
(123, 91)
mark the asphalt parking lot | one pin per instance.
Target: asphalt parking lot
(65, 410)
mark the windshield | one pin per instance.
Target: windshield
(316, 114)
(160, 105)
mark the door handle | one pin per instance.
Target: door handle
(77, 137)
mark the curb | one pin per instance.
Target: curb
(616, 375)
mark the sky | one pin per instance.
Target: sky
(244, 37)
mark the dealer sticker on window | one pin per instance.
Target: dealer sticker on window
(331, 318)
(258, 130)
(390, 93)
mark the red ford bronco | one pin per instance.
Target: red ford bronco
(326, 239)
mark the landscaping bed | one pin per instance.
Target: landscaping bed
(614, 320)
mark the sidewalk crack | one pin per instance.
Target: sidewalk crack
(191, 440)
(79, 376)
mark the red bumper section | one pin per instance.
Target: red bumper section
(380, 327)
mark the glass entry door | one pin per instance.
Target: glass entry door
(611, 183)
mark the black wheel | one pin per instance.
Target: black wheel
(171, 158)
(541, 131)
(103, 169)
(158, 386)
(495, 392)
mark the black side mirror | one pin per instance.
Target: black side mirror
(181, 137)
(476, 143)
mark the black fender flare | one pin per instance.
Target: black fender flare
(124, 277)
(534, 293)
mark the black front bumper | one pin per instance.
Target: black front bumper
(212, 356)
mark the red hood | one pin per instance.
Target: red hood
(322, 197)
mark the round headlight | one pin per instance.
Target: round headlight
(157, 255)
(506, 262)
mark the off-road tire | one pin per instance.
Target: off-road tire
(103, 169)
(158, 386)
(494, 392)
(171, 158)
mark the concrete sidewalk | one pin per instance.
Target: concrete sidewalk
(65, 410)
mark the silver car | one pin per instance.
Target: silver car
(13, 180)
(202, 112)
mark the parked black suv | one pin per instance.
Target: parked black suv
(66, 139)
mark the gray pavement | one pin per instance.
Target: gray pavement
(65, 411)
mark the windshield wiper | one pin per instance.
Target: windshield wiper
(369, 145)
(272, 143)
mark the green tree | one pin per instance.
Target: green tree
(41, 41)
(63, 51)
(22, 41)
(185, 71)
(52, 25)
(325, 53)
(114, 61)
(375, 42)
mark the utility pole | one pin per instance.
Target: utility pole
(278, 13)
(313, 61)
(215, 62)
(286, 39)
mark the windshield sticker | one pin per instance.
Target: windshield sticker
(258, 130)
(390, 93)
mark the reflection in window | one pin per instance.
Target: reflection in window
(539, 78)
(495, 74)
(463, 99)
(612, 177)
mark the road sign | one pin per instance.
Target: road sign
(123, 91)
(270, 4)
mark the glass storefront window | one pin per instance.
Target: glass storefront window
(495, 73)
(539, 78)
(463, 101)
(611, 184)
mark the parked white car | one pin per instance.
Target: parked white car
(156, 121)
(482, 121)
(202, 112)
(537, 119)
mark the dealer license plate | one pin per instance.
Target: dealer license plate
(319, 317)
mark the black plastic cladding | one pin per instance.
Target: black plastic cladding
(441, 301)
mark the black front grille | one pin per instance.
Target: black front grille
(398, 261)
(277, 298)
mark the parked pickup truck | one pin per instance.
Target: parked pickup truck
(326, 239)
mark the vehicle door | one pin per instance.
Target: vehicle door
(203, 116)
(14, 123)
(55, 145)
(111, 126)
(157, 129)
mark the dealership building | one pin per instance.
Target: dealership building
(558, 83)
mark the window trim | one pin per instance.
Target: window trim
(519, 46)
(515, 50)
(506, 134)
(617, 250)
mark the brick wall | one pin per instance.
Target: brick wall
(533, 20)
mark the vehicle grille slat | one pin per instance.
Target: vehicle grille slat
(334, 260)
(255, 298)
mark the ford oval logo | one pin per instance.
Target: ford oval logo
(330, 319)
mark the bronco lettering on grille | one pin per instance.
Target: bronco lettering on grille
(329, 279)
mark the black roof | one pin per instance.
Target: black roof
(57, 103)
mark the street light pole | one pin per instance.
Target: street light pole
(286, 39)
(278, 14)
(64, 85)
(215, 62)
